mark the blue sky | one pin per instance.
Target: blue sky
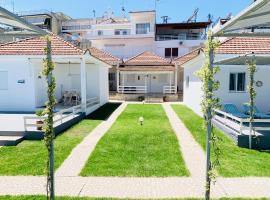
(177, 10)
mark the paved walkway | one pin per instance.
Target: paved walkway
(68, 183)
(75, 162)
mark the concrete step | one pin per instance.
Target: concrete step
(12, 133)
(154, 100)
(10, 140)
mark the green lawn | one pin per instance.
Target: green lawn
(29, 157)
(129, 149)
(235, 161)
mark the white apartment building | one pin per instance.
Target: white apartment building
(127, 37)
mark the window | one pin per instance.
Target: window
(187, 82)
(3, 80)
(117, 32)
(142, 28)
(100, 32)
(237, 82)
(171, 52)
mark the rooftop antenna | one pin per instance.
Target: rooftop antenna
(123, 11)
(156, 1)
(165, 19)
(193, 17)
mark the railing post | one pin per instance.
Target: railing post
(24, 121)
(241, 127)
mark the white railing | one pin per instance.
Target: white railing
(58, 119)
(169, 89)
(241, 121)
(92, 101)
(132, 89)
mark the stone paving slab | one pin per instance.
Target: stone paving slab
(192, 152)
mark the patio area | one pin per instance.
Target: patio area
(239, 131)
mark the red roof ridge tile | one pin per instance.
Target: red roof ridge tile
(104, 52)
(151, 53)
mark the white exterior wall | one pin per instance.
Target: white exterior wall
(18, 96)
(103, 84)
(26, 97)
(125, 48)
(150, 79)
(183, 48)
(193, 93)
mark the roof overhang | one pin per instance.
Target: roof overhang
(243, 60)
(10, 19)
(257, 14)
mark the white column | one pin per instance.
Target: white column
(170, 82)
(175, 78)
(83, 84)
(117, 78)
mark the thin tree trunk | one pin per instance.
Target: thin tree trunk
(209, 129)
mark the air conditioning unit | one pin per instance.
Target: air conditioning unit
(181, 43)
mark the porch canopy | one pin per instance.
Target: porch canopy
(9, 19)
(243, 59)
(256, 15)
(147, 73)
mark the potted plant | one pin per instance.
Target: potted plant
(141, 98)
(165, 99)
(39, 122)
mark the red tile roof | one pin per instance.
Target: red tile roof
(147, 61)
(104, 56)
(35, 46)
(243, 45)
(238, 45)
(147, 58)
(187, 57)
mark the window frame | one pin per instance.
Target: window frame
(171, 51)
(236, 86)
(146, 28)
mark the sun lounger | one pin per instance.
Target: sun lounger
(232, 109)
(257, 113)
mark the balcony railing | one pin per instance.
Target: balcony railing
(132, 89)
(184, 36)
(169, 89)
(76, 27)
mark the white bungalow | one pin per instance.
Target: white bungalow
(23, 88)
(231, 58)
(147, 74)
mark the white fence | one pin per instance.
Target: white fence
(30, 123)
(169, 90)
(229, 118)
(58, 119)
(132, 89)
(92, 101)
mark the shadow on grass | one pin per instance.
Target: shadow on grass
(104, 112)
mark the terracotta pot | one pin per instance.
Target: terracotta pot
(39, 125)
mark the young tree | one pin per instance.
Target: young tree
(208, 104)
(48, 111)
(252, 95)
